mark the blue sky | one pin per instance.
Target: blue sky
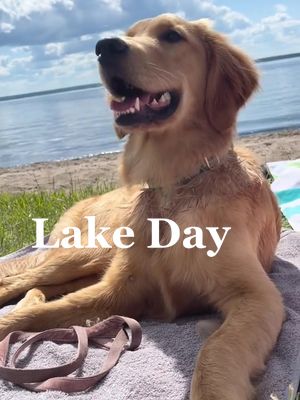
(46, 44)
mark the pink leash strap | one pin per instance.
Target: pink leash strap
(109, 334)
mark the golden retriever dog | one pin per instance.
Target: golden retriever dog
(175, 91)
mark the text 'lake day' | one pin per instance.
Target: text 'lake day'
(193, 236)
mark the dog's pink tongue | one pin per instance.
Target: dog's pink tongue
(123, 106)
(129, 102)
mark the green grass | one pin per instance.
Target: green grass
(284, 221)
(285, 224)
(16, 212)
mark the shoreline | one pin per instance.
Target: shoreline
(103, 168)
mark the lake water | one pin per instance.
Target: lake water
(75, 124)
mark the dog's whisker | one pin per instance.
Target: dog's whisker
(156, 75)
(161, 69)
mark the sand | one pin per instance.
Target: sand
(79, 173)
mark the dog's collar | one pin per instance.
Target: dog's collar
(209, 165)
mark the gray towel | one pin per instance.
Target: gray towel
(162, 367)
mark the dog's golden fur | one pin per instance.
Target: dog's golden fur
(214, 80)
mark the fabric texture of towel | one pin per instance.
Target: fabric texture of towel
(163, 365)
(286, 187)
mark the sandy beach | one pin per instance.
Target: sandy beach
(79, 173)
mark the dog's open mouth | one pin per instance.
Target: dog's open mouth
(132, 105)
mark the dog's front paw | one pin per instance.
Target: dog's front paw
(212, 383)
(11, 287)
(15, 320)
(201, 390)
(206, 390)
(213, 379)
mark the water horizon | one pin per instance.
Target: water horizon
(76, 124)
(96, 84)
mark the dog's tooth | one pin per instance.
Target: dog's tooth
(162, 99)
(120, 99)
(154, 102)
(137, 104)
(167, 96)
(132, 110)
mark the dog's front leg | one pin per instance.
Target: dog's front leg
(58, 266)
(119, 292)
(19, 265)
(236, 352)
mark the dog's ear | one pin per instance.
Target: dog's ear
(231, 78)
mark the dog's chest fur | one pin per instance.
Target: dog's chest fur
(184, 287)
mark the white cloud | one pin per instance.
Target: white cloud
(55, 39)
(9, 64)
(8, 86)
(6, 27)
(180, 14)
(20, 49)
(115, 5)
(280, 8)
(108, 34)
(3, 71)
(54, 48)
(85, 38)
(230, 17)
(280, 26)
(70, 64)
(22, 61)
(17, 9)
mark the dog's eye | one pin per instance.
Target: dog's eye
(171, 36)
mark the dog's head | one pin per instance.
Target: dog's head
(167, 72)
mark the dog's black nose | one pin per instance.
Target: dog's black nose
(107, 48)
